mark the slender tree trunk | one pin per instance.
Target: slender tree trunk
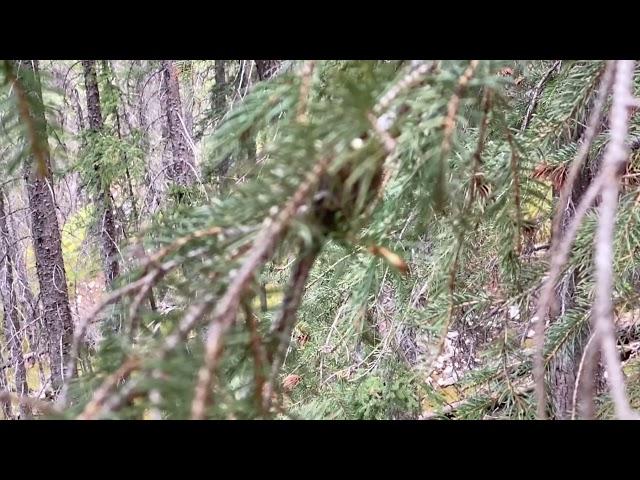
(45, 231)
(11, 314)
(219, 100)
(116, 113)
(107, 225)
(182, 168)
(188, 98)
(219, 105)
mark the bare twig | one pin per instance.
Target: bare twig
(536, 94)
(558, 259)
(560, 247)
(595, 118)
(612, 166)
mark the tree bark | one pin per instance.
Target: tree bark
(219, 99)
(45, 232)
(11, 315)
(103, 200)
(266, 68)
(564, 366)
(219, 104)
(182, 169)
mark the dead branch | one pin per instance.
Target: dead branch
(558, 259)
(593, 124)
(613, 163)
(306, 75)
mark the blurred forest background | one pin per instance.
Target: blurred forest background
(272, 239)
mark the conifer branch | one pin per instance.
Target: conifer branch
(454, 104)
(102, 394)
(38, 148)
(283, 326)
(259, 357)
(306, 76)
(226, 309)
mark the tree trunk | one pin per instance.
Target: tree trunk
(12, 333)
(103, 201)
(266, 68)
(45, 231)
(188, 103)
(182, 168)
(219, 105)
(78, 110)
(564, 366)
(219, 99)
(5, 405)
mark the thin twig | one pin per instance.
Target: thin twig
(613, 163)
(415, 76)
(559, 258)
(536, 94)
(454, 105)
(595, 118)
(557, 261)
